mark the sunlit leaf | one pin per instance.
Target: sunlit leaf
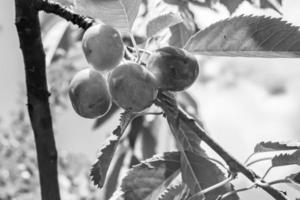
(100, 167)
(247, 36)
(275, 146)
(120, 14)
(286, 159)
(161, 22)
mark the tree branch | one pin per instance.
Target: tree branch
(28, 28)
(67, 14)
(177, 115)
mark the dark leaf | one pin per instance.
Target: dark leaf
(180, 34)
(286, 159)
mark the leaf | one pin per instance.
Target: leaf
(120, 14)
(286, 159)
(275, 146)
(172, 193)
(52, 39)
(295, 180)
(179, 35)
(113, 177)
(161, 22)
(272, 4)
(207, 174)
(247, 36)
(152, 174)
(100, 167)
(231, 5)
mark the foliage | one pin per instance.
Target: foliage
(187, 173)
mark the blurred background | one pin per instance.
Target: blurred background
(241, 101)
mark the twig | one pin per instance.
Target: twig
(259, 160)
(266, 173)
(67, 14)
(226, 195)
(29, 33)
(177, 114)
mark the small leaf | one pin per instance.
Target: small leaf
(120, 14)
(99, 169)
(152, 174)
(207, 174)
(231, 5)
(161, 22)
(275, 146)
(294, 179)
(286, 159)
(179, 35)
(247, 36)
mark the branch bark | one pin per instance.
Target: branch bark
(28, 28)
(67, 14)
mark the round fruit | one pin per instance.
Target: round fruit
(103, 47)
(132, 87)
(174, 69)
(89, 94)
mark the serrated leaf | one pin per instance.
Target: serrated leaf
(100, 167)
(172, 193)
(247, 36)
(120, 14)
(161, 22)
(152, 174)
(275, 146)
(231, 5)
(286, 159)
(179, 35)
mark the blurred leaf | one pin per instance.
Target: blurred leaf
(179, 35)
(275, 146)
(120, 14)
(148, 142)
(52, 39)
(161, 22)
(231, 5)
(187, 102)
(98, 122)
(135, 129)
(112, 179)
(99, 169)
(286, 159)
(148, 179)
(247, 36)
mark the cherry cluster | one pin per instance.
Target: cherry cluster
(130, 85)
